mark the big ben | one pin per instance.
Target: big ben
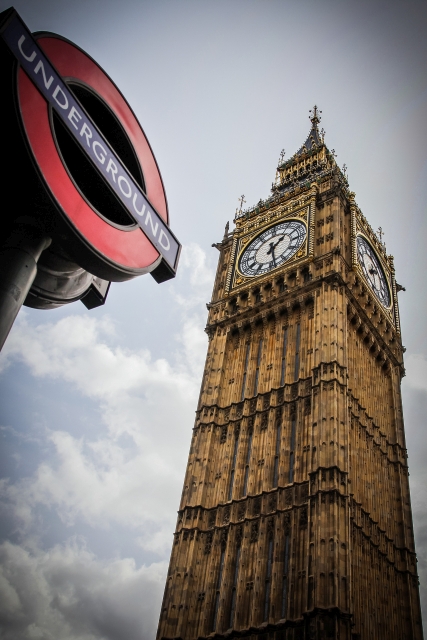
(295, 519)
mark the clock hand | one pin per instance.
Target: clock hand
(375, 275)
(279, 240)
(271, 250)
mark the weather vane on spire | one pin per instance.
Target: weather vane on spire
(315, 115)
(239, 209)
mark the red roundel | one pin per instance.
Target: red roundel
(128, 249)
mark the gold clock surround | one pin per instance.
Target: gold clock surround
(242, 240)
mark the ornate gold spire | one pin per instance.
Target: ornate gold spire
(315, 117)
(314, 138)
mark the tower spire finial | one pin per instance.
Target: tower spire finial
(315, 115)
(239, 209)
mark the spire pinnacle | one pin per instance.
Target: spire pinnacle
(315, 138)
(315, 115)
(239, 209)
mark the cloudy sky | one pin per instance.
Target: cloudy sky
(97, 407)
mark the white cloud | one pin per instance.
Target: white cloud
(194, 259)
(67, 594)
(153, 402)
(127, 472)
(194, 340)
(201, 277)
(73, 349)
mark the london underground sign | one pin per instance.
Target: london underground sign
(114, 213)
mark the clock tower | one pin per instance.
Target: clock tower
(295, 518)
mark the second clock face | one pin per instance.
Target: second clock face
(372, 271)
(272, 247)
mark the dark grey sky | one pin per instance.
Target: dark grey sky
(97, 407)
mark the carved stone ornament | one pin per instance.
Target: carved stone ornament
(304, 492)
(212, 518)
(208, 542)
(303, 517)
(241, 511)
(272, 502)
(223, 538)
(223, 437)
(254, 531)
(226, 514)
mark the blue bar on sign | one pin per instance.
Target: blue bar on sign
(90, 139)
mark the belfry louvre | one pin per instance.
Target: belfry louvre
(295, 519)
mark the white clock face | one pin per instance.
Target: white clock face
(272, 248)
(372, 271)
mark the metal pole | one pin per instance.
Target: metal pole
(18, 268)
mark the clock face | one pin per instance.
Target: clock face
(372, 271)
(272, 247)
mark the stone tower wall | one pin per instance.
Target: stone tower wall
(295, 517)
